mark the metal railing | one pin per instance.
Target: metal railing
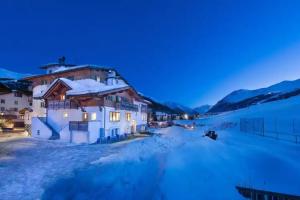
(281, 129)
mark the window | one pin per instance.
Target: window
(18, 94)
(66, 115)
(2, 101)
(128, 116)
(16, 102)
(144, 116)
(70, 78)
(43, 82)
(93, 116)
(111, 98)
(62, 97)
(118, 99)
(15, 109)
(43, 104)
(114, 116)
(98, 79)
(2, 109)
(85, 116)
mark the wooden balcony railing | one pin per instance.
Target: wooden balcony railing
(122, 105)
(78, 126)
(127, 106)
(56, 105)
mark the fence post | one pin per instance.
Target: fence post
(276, 131)
(294, 126)
(263, 126)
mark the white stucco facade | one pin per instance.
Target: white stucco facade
(86, 110)
(99, 123)
(11, 104)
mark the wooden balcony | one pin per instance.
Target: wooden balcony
(122, 105)
(128, 106)
(66, 104)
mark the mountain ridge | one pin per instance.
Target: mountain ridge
(244, 98)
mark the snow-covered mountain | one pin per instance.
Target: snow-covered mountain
(244, 98)
(180, 108)
(7, 74)
(202, 109)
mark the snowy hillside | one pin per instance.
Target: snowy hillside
(180, 108)
(244, 98)
(279, 116)
(202, 109)
(6, 74)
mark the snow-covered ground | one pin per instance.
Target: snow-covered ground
(181, 164)
(178, 164)
(28, 165)
(175, 164)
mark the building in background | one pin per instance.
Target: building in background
(15, 100)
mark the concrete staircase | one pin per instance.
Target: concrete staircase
(55, 135)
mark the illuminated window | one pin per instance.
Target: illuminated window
(114, 116)
(85, 116)
(98, 79)
(128, 116)
(62, 97)
(93, 116)
(66, 115)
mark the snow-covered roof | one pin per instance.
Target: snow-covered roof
(61, 69)
(87, 86)
(66, 68)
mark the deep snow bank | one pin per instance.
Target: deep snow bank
(181, 164)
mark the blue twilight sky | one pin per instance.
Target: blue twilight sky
(191, 52)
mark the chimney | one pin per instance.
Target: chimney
(62, 60)
(111, 78)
